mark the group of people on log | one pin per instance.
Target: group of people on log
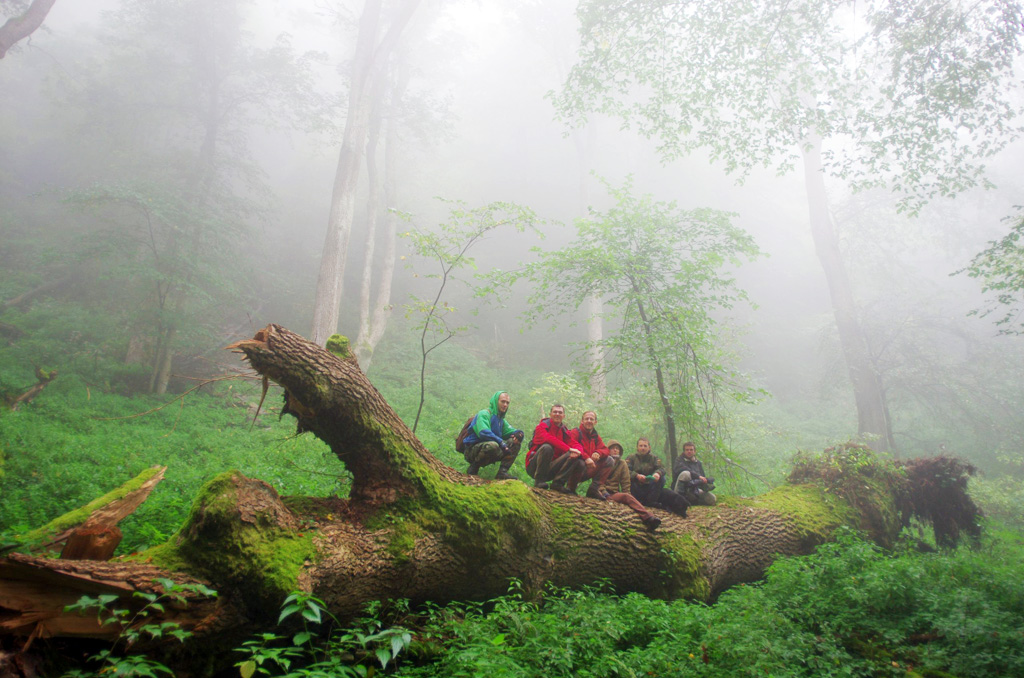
(560, 458)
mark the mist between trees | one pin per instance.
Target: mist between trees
(762, 227)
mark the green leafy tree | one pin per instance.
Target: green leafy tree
(1000, 268)
(663, 274)
(448, 247)
(912, 96)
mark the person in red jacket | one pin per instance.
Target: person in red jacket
(594, 450)
(554, 459)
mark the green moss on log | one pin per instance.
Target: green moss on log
(476, 520)
(79, 515)
(253, 554)
(681, 568)
(870, 484)
(339, 345)
(814, 512)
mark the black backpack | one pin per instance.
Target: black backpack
(459, 445)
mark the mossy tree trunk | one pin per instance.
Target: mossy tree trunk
(417, 529)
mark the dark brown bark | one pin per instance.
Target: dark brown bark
(92, 543)
(20, 27)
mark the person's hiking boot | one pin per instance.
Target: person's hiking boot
(473, 470)
(652, 523)
(560, 487)
(541, 486)
(503, 474)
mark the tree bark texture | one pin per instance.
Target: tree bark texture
(869, 393)
(415, 528)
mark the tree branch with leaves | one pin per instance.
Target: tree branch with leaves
(448, 247)
(664, 274)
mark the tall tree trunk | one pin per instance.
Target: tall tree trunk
(164, 360)
(666, 402)
(372, 330)
(872, 410)
(372, 219)
(595, 353)
(369, 63)
(414, 528)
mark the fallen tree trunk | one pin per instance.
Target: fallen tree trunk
(44, 378)
(415, 528)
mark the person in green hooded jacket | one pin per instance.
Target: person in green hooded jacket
(491, 439)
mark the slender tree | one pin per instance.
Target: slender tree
(177, 185)
(448, 246)
(664, 273)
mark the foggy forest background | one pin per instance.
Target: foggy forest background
(170, 171)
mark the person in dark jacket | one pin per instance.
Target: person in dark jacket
(647, 480)
(492, 439)
(554, 459)
(691, 482)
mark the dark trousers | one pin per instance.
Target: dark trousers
(654, 492)
(545, 467)
(599, 476)
(488, 452)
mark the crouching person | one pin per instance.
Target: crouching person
(647, 480)
(554, 460)
(612, 484)
(690, 479)
(491, 439)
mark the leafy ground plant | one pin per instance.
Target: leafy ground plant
(352, 653)
(850, 609)
(115, 660)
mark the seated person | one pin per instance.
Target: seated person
(589, 440)
(554, 457)
(690, 479)
(492, 439)
(647, 480)
(611, 483)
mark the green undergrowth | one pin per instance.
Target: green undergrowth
(850, 609)
(75, 443)
(80, 514)
(1001, 498)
